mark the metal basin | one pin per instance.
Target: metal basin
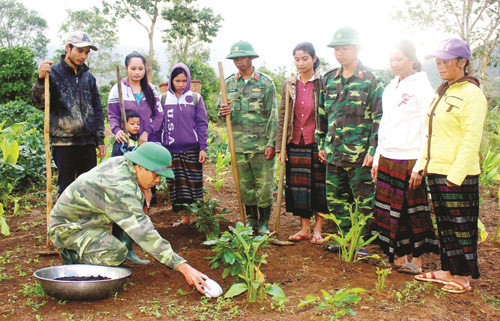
(82, 290)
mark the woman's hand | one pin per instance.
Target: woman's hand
(202, 157)
(415, 180)
(121, 137)
(143, 137)
(375, 172)
(278, 155)
(321, 156)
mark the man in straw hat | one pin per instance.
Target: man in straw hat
(76, 119)
(113, 192)
(252, 103)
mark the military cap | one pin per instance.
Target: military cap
(153, 157)
(344, 37)
(242, 49)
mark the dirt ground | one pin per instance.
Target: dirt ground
(156, 292)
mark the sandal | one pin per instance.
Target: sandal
(299, 237)
(429, 277)
(410, 268)
(362, 253)
(331, 247)
(317, 240)
(455, 287)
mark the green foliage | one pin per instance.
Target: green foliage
(217, 141)
(206, 75)
(21, 111)
(4, 227)
(10, 172)
(237, 251)
(353, 241)
(410, 292)
(381, 276)
(339, 302)
(17, 67)
(22, 27)
(220, 171)
(279, 76)
(497, 229)
(490, 165)
(207, 216)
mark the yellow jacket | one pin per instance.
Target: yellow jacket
(455, 128)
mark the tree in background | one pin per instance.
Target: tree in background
(103, 30)
(209, 89)
(190, 29)
(475, 21)
(17, 67)
(22, 27)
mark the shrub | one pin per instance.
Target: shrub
(20, 111)
(17, 67)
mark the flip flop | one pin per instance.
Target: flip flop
(410, 268)
(387, 264)
(455, 287)
(331, 247)
(298, 237)
(429, 277)
(317, 240)
(362, 253)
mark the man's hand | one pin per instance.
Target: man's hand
(375, 172)
(225, 109)
(415, 180)
(321, 156)
(368, 161)
(143, 137)
(148, 195)
(269, 153)
(278, 155)
(44, 68)
(102, 151)
(202, 157)
(121, 137)
(193, 277)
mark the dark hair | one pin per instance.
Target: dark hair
(131, 114)
(408, 48)
(309, 48)
(146, 89)
(176, 72)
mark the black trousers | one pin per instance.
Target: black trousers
(72, 161)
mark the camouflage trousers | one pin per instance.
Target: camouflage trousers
(256, 175)
(343, 186)
(94, 245)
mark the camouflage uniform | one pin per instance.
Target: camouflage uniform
(254, 119)
(108, 193)
(349, 115)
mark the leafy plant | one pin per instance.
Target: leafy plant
(339, 302)
(382, 274)
(220, 171)
(497, 229)
(207, 215)
(237, 251)
(10, 172)
(17, 67)
(410, 291)
(490, 165)
(351, 242)
(4, 227)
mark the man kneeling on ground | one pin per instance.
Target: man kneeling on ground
(113, 192)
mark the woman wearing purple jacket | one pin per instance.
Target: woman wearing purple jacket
(139, 96)
(185, 136)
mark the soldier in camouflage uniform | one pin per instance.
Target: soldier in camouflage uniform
(252, 103)
(349, 115)
(113, 192)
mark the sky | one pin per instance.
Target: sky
(273, 27)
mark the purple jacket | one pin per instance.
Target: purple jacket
(185, 125)
(151, 120)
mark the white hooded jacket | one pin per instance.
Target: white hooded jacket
(402, 131)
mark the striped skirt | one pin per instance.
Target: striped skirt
(401, 215)
(305, 181)
(187, 185)
(457, 212)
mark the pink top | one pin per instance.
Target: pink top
(303, 118)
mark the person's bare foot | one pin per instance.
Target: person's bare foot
(400, 261)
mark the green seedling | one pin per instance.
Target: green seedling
(220, 171)
(207, 215)
(382, 274)
(339, 302)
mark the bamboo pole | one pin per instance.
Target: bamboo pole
(277, 210)
(231, 144)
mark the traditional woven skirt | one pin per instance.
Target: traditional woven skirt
(402, 216)
(305, 181)
(457, 212)
(187, 185)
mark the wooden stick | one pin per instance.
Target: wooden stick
(277, 211)
(231, 144)
(122, 107)
(48, 160)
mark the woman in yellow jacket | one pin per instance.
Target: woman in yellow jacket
(451, 164)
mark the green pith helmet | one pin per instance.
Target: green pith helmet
(242, 49)
(153, 157)
(344, 37)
